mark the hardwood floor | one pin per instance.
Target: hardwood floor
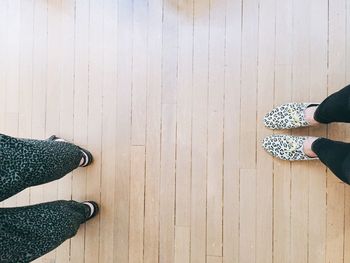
(169, 95)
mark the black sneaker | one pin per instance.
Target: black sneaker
(93, 207)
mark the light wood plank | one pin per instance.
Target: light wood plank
(213, 259)
(168, 131)
(199, 131)
(184, 135)
(123, 141)
(96, 74)
(153, 126)
(169, 52)
(250, 18)
(215, 130)
(184, 118)
(139, 82)
(12, 78)
(182, 249)
(232, 132)
(346, 230)
(137, 183)
(167, 184)
(109, 116)
(247, 242)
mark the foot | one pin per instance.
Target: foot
(290, 115)
(288, 147)
(309, 115)
(307, 147)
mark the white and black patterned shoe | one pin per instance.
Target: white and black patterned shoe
(87, 156)
(286, 147)
(287, 116)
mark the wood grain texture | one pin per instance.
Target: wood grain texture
(169, 96)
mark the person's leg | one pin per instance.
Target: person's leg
(25, 163)
(27, 233)
(335, 108)
(335, 155)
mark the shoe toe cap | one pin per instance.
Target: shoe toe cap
(267, 143)
(273, 145)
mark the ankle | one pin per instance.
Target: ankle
(309, 115)
(307, 147)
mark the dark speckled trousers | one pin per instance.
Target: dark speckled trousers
(27, 233)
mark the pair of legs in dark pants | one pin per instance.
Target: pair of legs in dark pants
(27, 233)
(334, 154)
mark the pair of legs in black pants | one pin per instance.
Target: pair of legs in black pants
(334, 154)
(29, 232)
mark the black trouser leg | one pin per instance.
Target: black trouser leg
(25, 163)
(27, 233)
(335, 108)
(335, 155)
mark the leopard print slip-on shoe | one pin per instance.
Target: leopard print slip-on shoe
(287, 116)
(286, 147)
